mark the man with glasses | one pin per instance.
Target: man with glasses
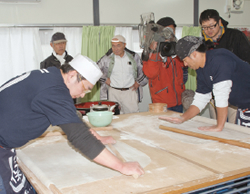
(217, 35)
(36, 99)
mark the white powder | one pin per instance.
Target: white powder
(142, 125)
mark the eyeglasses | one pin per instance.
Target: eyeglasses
(209, 27)
(84, 89)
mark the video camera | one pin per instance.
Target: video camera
(155, 38)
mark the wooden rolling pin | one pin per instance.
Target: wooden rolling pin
(54, 189)
(118, 155)
(227, 141)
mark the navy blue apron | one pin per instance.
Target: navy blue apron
(12, 179)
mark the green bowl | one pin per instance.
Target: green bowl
(100, 118)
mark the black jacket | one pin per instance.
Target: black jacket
(233, 40)
(53, 61)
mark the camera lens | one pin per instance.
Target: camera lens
(167, 49)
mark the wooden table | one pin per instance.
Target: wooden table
(179, 163)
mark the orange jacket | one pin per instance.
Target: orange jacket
(165, 80)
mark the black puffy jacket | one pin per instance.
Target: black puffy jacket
(53, 61)
(233, 40)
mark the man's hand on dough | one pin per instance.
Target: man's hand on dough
(176, 120)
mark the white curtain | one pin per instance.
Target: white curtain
(126, 32)
(20, 51)
(178, 32)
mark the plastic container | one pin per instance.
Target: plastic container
(100, 118)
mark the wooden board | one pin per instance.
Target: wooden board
(178, 162)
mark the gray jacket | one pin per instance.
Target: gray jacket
(106, 64)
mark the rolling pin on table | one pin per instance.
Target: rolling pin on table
(203, 136)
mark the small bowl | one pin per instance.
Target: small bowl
(100, 118)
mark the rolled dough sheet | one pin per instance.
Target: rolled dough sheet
(151, 123)
(66, 167)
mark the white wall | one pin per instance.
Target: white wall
(129, 11)
(81, 11)
(112, 11)
(47, 12)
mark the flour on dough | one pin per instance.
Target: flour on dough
(151, 123)
(66, 167)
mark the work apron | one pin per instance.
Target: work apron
(12, 179)
(243, 117)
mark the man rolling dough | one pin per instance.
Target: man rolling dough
(221, 72)
(36, 99)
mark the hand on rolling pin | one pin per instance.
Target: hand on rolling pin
(176, 120)
(132, 168)
(108, 159)
(104, 139)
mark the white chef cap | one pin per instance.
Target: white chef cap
(87, 68)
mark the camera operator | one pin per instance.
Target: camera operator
(165, 71)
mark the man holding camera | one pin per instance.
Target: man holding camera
(165, 73)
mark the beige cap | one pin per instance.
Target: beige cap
(87, 68)
(118, 38)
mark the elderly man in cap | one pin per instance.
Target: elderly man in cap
(218, 71)
(49, 101)
(122, 78)
(59, 55)
(166, 76)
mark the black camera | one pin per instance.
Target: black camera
(155, 38)
(167, 49)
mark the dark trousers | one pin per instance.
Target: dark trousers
(178, 108)
(12, 179)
